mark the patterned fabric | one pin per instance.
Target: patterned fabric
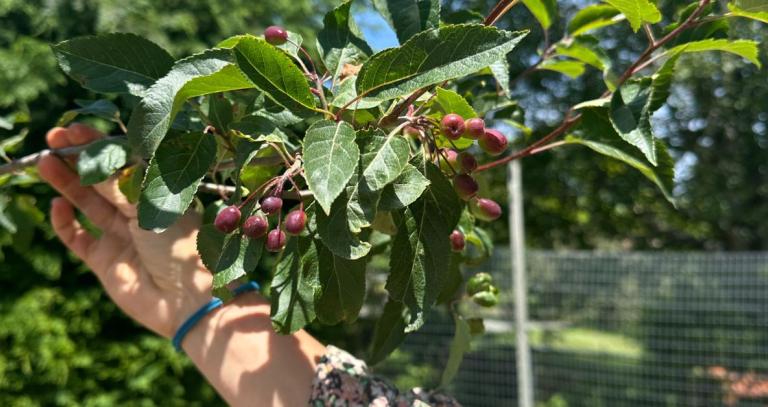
(342, 380)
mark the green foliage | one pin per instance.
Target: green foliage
(464, 49)
(371, 168)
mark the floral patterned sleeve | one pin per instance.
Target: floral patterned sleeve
(342, 380)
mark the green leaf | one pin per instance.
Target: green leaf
(500, 72)
(101, 159)
(405, 190)
(201, 74)
(273, 71)
(346, 92)
(385, 160)
(227, 256)
(172, 178)
(389, 332)
(295, 286)
(334, 229)
(585, 52)
(630, 116)
(600, 137)
(753, 9)
(637, 11)
(545, 11)
(340, 41)
(420, 251)
(220, 112)
(129, 182)
(409, 17)
(432, 57)
(330, 159)
(113, 63)
(593, 17)
(744, 48)
(343, 287)
(460, 345)
(102, 108)
(572, 69)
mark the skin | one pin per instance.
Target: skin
(159, 280)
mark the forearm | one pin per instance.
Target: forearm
(248, 363)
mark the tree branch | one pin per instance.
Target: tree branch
(569, 121)
(32, 159)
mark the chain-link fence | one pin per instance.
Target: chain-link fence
(614, 329)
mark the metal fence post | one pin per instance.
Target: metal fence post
(517, 251)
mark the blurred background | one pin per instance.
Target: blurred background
(633, 302)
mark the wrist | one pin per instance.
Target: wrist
(244, 313)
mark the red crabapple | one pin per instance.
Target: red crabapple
(448, 160)
(467, 162)
(466, 187)
(271, 204)
(457, 241)
(493, 142)
(485, 209)
(295, 221)
(228, 219)
(276, 35)
(475, 127)
(255, 226)
(452, 126)
(275, 240)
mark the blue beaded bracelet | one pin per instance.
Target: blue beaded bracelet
(247, 287)
(193, 320)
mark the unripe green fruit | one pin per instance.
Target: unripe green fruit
(228, 219)
(275, 240)
(295, 222)
(479, 282)
(255, 226)
(487, 298)
(475, 128)
(493, 142)
(485, 209)
(452, 126)
(465, 186)
(276, 35)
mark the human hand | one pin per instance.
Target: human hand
(157, 279)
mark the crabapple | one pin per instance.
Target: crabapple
(275, 240)
(271, 204)
(475, 127)
(466, 187)
(467, 162)
(452, 126)
(255, 226)
(457, 241)
(276, 35)
(479, 282)
(488, 298)
(493, 142)
(485, 209)
(411, 131)
(295, 221)
(228, 219)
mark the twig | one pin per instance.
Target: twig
(211, 188)
(499, 10)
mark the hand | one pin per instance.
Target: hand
(157, 279)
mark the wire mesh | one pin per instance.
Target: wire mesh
(613, 329)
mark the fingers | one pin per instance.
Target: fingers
(75, 134)
(100, 211)
(111, 192)
(69, 230)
